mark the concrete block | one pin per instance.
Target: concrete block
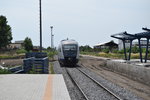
(134, 71)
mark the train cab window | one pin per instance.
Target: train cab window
(69, 47)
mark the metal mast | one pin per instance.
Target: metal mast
(40, 26)
(51, 36)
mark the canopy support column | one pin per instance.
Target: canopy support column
(140, 50)
(146, 50)
(130, 49)
(125, 54)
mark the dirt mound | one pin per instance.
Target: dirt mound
(11, 62)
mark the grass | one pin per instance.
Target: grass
(21, 52)
(50, 54)
(4, 71)
(51, 69)
(5, 56)
(10, 56)
(113, 55)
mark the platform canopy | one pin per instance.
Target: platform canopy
(126, 36)
(123, 36)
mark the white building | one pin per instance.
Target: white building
(134, 43)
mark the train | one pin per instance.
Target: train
(68, 52)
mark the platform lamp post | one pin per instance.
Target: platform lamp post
(40, 26)
(52, 37)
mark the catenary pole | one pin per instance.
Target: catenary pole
(51, 36)
(40, 26)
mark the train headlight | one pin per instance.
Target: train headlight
(69, 58)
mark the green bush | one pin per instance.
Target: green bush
(51, 54)
(121, 51)
(4, 71)
(135, 49)
(114, 51)
(20, 51)
(105, 50)
(85, 48)
(144, 50)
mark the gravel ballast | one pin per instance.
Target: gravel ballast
(73, 90)
(122, 92)
(90, 88)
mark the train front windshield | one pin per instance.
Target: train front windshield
(70, 50)
(70, 47)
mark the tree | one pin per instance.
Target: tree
(85, 48)
(135, 49)
(5, 32)
(28, 44)
(50, 49)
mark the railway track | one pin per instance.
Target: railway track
(113, 94)
(90, 89)
(86, 94)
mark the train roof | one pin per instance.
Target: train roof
(70, 41)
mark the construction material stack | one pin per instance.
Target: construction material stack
(37, 63)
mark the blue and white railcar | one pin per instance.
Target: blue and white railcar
(68, 52)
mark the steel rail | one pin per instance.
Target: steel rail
(100, 84)
(77, 84)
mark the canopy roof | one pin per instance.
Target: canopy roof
(127, 36)
(123, 36)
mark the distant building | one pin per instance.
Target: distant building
(21, 41)
(120, 44)
(108, 45)
(134, 43)
(16, 45)
(36, 48)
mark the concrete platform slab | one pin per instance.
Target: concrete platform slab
(33, 87)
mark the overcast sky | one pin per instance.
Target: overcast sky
(87, 21)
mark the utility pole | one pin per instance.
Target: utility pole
(51, 36)
(40, 26)
(53, 41)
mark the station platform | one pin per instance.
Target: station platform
(33, 87)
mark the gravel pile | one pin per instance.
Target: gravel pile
(11, 62)
(122, 92)
(91, 89)
(73, 90)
